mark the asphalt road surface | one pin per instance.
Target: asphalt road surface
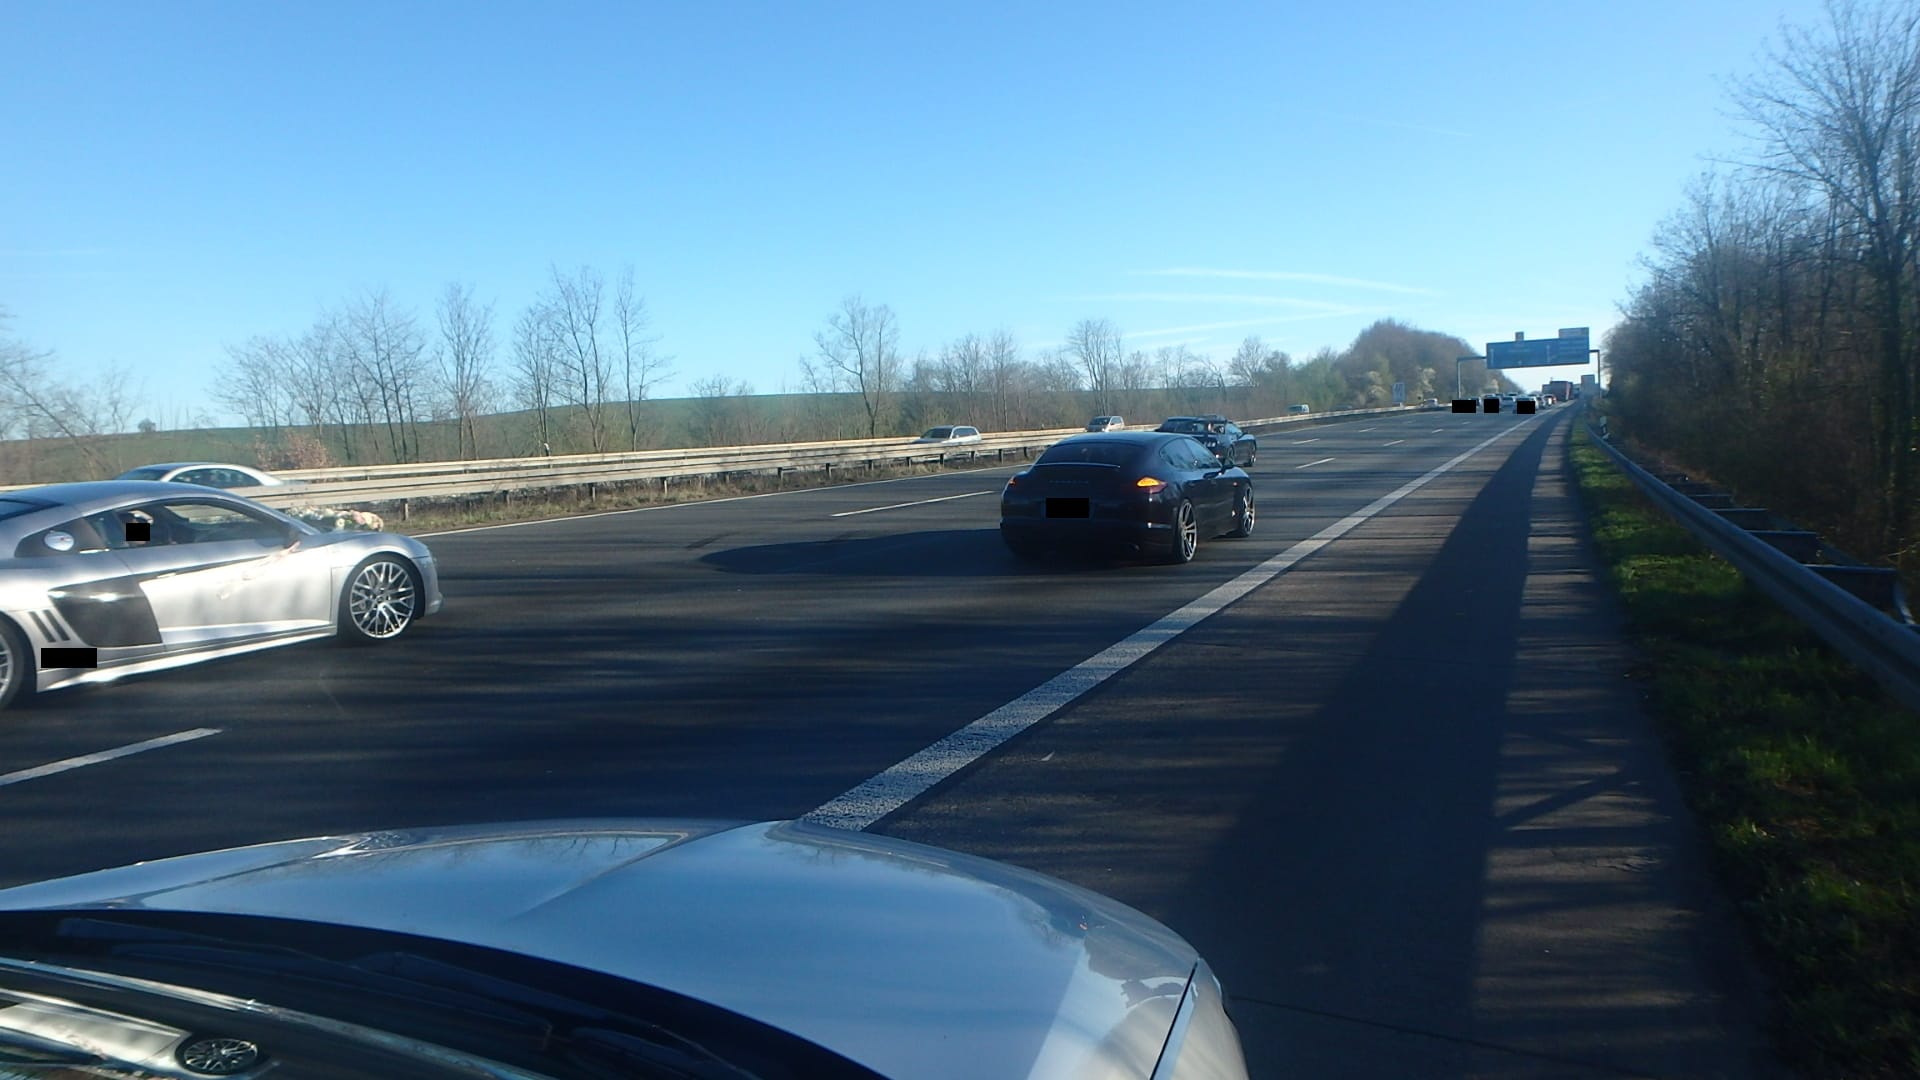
(1395, 788)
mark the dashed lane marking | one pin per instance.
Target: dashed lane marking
(897, 506)
(66, 764)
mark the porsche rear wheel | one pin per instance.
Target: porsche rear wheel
(1243, 515)
(1186, 535)
(16, 665)
(381, 600)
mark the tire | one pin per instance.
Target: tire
(381, 600)
(1243, 514)
(217, 1055)
(1186, 535)
(16, 666)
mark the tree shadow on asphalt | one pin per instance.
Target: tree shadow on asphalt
(935, 553)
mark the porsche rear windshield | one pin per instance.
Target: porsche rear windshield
(16, 507)
(143, 474)
(1075, 452)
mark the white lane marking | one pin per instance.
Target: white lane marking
(83, 760)
(1396, 442)
(1438, 430)
(1303, 442)
(1368, 428)
(715, 502)
(881, 794)
(896, 506)
(1311, 464)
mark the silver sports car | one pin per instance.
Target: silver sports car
(102, 580)
(632, 949)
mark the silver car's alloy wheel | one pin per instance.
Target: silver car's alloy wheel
(217, 1055)
(381, 599)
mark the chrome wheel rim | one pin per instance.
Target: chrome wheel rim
(1246, 513)
(381, 601)
(7, 666)
(1189, 533)
(219, 1056)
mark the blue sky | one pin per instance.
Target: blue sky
(183, 176)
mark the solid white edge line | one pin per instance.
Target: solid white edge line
(715, 502)
(83, 760)
(1396, 442)
(860, 806)
(1310, 464)
(898, 506)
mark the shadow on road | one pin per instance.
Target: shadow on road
(937, 553)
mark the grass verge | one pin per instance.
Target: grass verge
(1805, 776)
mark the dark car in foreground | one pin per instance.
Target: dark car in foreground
(116, 577)
(1218, 434)
(614, 949)
(1145, 493)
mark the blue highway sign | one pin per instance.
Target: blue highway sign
(1570, 347)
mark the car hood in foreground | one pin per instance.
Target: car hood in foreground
(912, 960)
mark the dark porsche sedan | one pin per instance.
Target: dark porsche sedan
(1148, 492)
(1218, 434)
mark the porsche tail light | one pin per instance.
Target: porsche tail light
(1150, 485)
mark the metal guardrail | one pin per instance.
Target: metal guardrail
(362, 485)
(1883, 645)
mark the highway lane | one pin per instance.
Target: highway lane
(1399, 796)
(1416, 822)
(746, 658)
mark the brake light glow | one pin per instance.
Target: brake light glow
(1150, 485)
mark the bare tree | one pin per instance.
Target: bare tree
(859, 352)
(33, 404)
(641, 366)
(1094, 346)
(253, 382)
(462, 363)
(383, 350)
(1003, 371)
(572, 311)
(1839, 111)
(718, 416)
(535, 371)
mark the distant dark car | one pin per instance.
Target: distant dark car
(1218, 434)
(1146, 492)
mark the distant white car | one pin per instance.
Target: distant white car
(949, 436)
(1107, 423)
(209, 474)
(1299, 408)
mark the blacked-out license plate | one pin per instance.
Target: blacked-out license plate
(1069, 508)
